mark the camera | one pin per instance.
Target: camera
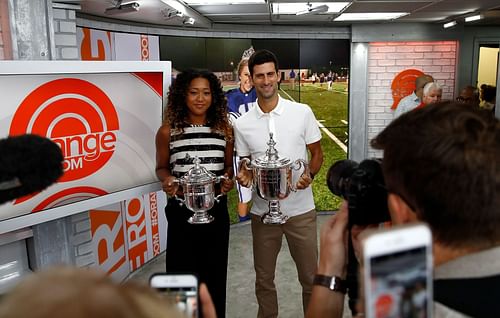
(363, 186)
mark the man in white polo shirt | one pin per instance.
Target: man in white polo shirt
(413, 100)
(296, 133)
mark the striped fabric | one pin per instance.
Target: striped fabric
(196, 141)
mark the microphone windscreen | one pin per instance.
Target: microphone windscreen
(28, 164)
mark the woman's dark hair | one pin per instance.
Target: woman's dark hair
(176, 114)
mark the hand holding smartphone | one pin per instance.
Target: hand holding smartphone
(397, 272)
(179, 290)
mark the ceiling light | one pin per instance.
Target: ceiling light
(295, 7)
(449, 24)
(370, 16)
(123, 8)
(218, 2)
(313, 10)
(473, 18)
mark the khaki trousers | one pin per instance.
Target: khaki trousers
(300, 233)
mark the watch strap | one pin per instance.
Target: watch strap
(333, 283)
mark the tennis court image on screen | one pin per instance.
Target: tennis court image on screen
(399, 284)
(183, 298)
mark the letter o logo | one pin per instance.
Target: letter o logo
(75, 114)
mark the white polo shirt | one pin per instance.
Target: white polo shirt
(406, 104)
(294, 127)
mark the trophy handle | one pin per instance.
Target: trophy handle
(181, 201)
(218, 180)
(296, 166)
(217, 198)
(245, 163)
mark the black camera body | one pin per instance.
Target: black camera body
(363, 186)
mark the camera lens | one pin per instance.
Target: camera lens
(362, 185)
(338, 177)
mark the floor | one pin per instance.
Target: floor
(241, 301)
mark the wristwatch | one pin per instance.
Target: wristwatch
(333, 283)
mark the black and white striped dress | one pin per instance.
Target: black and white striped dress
(196, 141)
(185, 253)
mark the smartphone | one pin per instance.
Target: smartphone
(397, 272)
(179, 290)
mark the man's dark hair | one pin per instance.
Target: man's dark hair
(261, 57)
(442, 160)
(489, 93)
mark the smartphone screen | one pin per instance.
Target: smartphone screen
(180, 291)
(398, 283)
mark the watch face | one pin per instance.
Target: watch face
(333, 283)
(338, 284)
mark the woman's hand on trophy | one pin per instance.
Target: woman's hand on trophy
(244, 178)
(226, 184)
(304, 181)
(170, 185)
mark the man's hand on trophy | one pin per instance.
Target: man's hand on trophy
(304, 181)
(226, 184)
(170, 185)
(244, 178)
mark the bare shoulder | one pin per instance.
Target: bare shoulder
(163, 132)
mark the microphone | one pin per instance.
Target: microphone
(28, 163)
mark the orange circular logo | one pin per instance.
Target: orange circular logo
(403, 85)
(68, 196)
(384, 306)
(75, 114)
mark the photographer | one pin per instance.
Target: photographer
(440, 167)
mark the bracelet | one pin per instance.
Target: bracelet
(333, 283)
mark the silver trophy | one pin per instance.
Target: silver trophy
(272, 179)
(198, 186)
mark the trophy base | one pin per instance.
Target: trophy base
(201, 219)
(269, 218)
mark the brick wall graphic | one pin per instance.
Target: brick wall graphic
(65, 34)
(387, 59)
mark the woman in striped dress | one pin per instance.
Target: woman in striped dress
(196, 125)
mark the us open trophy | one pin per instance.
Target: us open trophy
(198, 186)
(272, 179)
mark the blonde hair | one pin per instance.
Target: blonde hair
(77, 293)
(241, 65)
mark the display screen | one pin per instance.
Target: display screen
(399, 284)
(183, 298)
(104, 122)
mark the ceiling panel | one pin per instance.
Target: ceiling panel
(426, 11)
(393, 1)
(237, 9)
(241, 19)
(304, 18)
(428, 16)
(469, 5)
(385, 6)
